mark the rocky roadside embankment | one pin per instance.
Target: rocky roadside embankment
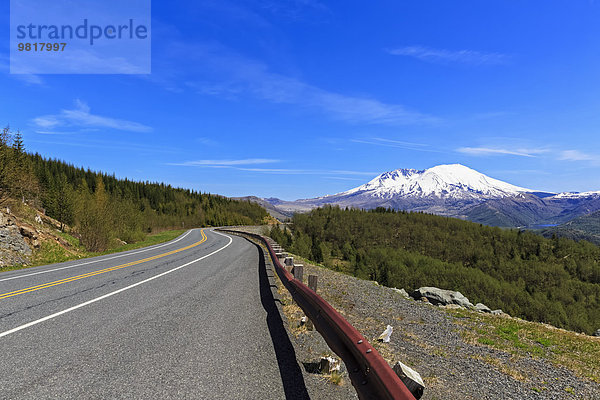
(20, 237)
(437, 344)
(13, 247)
(460, 352)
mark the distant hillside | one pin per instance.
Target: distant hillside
(271, 209)
(545, 280)
(586, 227)
(101, 207)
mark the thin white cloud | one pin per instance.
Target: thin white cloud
(576, 155)
(487, 151)
(396, 144)
(284, 171)
(226, 163)
(81, 117)
(29, 79)
(231, 75)
(444, 56)
(246, 165)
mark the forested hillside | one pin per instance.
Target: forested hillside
(586, 227)
(546, 280)
(101, 207)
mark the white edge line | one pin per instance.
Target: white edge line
(95, 261)
(38, 321)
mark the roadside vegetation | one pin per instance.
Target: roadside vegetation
(578, 353)
(556, 281)
(102, 211)
(52, 253)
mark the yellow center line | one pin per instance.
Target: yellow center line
(102, 271)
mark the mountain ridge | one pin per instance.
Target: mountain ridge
(458, 191)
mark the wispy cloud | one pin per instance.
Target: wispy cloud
(246, 164)
(231, 75)
(487, 151)
(226, 163)
(113, 146)
(576, 155)
(206, 141)
(284, 171)
(29, 79)
(81, 117)
(549, 152)
(376, 141)
(445, 56)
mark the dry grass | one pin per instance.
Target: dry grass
(578, 353)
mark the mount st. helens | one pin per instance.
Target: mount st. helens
(457, 191)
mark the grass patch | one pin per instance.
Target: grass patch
(579, 353)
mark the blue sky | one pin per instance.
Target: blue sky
(300, 98)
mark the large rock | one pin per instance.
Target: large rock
(482, 308)
(401, 292)
(13, 248)
(411, 379)
(441, 297)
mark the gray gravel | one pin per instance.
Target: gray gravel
(429, 340)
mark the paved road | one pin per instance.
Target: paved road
(192, 318)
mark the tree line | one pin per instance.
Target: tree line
(554, 280)
(100, 207)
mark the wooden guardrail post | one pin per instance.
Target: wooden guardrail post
(299, 271)
(312, 284)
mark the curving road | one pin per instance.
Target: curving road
(193, 318)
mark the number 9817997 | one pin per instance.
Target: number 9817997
(41, 46)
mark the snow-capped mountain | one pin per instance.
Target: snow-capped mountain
(457, 191)
(450, 181)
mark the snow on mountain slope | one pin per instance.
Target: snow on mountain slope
(444, 181)
(577, 195)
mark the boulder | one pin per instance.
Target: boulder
(498, 312)
(401, 292)
(411, 379)
(440, 296)
(482, 308)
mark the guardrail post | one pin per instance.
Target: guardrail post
(299, 271)
(312, 284)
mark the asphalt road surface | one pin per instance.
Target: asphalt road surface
(192, 318)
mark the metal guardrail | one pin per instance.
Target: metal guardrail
(370, 374)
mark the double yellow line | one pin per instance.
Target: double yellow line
(102, 271)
